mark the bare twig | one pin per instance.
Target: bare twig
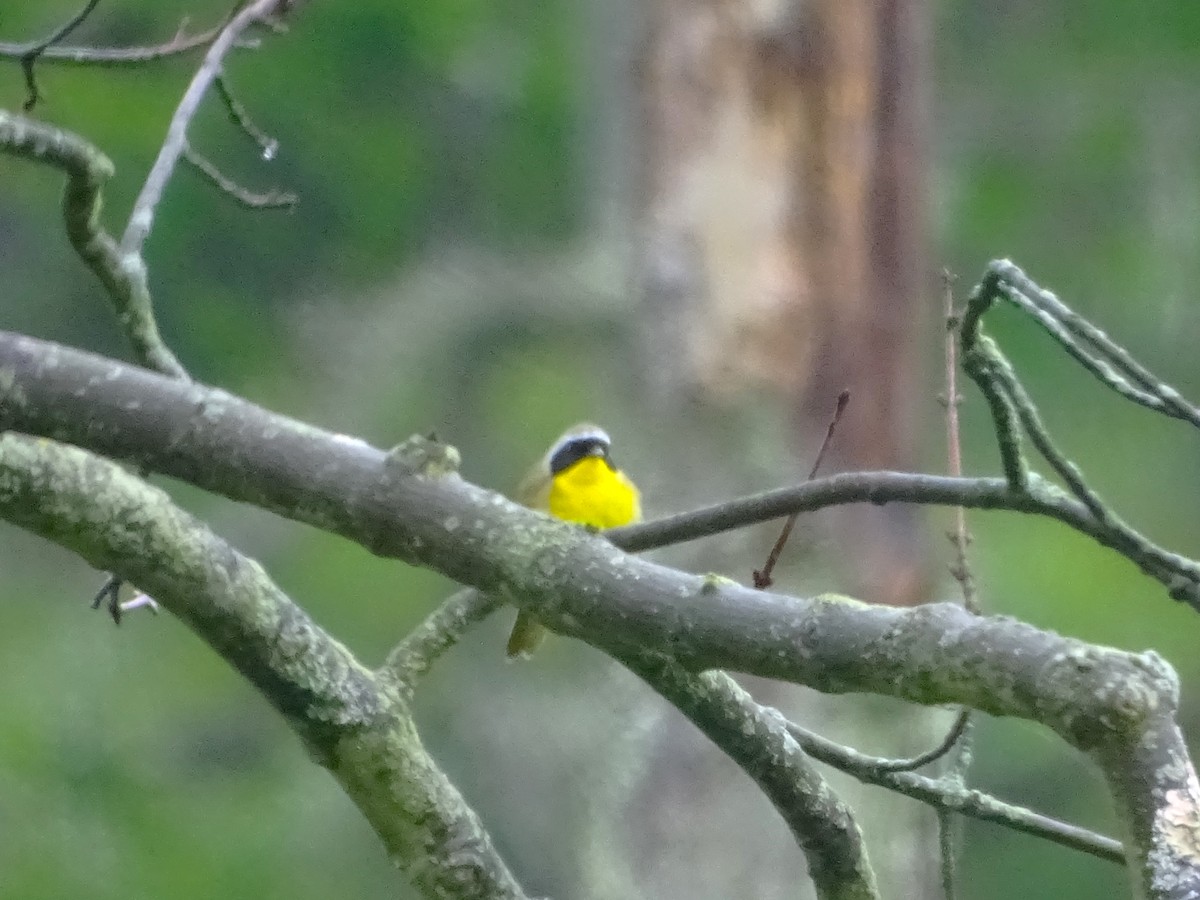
(1010, 404)
(120, 266)
(978, 360)
(1179, 574)
(109, 596)
(1005, 379)
(1110, 363)
(948, 853)
(942, 794)
(272, 199)
(961, 723)
(440, 631)
(960, 569)
(268, 146)
(116, 56)
(141, 219)
(960, 537)
(140, 601)
(762, 577)
(32, 53)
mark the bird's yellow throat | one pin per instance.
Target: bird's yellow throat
(592, 492)
(578, 482)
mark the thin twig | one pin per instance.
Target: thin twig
(31, 54)
(1103, 354)
(120, 266)
(1005, 378)
(762, 577)
(115, 56)
(1011, 405)
(109, 596)
(948, 853)
(939, 793)
(1103, 358)
(978, 359)
(141, 219)
(1179, 574)
(960, 537)
(960, 569)
(997, 373)
(272, 199)
(961, 723)
(441, 630)
(267, 145)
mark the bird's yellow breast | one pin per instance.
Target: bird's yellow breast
(591, 492)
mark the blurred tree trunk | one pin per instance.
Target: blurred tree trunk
(781, 253)
(782, 187)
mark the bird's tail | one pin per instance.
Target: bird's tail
(527, 634)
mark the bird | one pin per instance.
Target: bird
(577, 481)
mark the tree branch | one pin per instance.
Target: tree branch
(1112, 365)
(123, 276)
(354, 724)
(272, 199)
(30, 54)
(115, 56)
(66, 394)
(441, 630)
(758, 740)
(268, 146)
(409, 504)
(937, 793)
(120, 265)
(1010, 404)
(141, 218)
(232, 447)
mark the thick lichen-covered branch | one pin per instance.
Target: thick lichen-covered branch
(755, 738)
(433, 518)
(355, 724)
(758, 740)
(443, 628)
(410, 505)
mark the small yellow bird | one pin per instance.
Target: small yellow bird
(578, 481)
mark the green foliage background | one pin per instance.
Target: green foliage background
(133, 764)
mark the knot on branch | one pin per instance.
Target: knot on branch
(424, 457)
(1105, 696)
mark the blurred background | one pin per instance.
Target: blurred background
(694, 223)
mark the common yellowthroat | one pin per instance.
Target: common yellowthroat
(576, 480)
